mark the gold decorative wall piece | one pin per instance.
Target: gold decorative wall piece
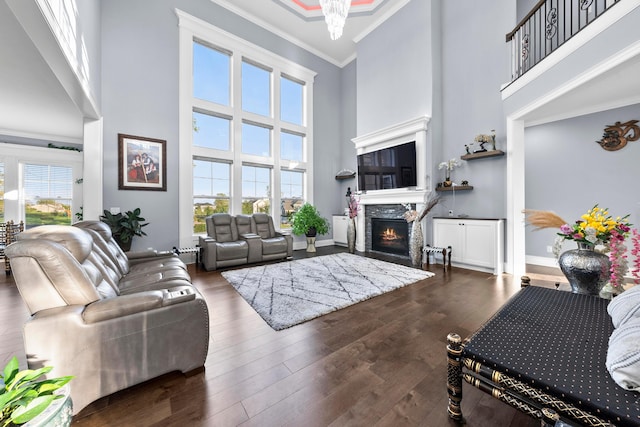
(616, 136)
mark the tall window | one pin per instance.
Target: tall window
(48, 194)
(249, 127)
(39, 185)
(1, 192)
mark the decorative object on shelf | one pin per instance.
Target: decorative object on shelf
(413, 217)
(335, 14)
(486, 139)
(616, 136)
(26, 397)
(448, 166)
(345, 174)
(308, 221)
(354, 207)
(588, 271)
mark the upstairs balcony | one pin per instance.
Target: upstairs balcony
(548, 26)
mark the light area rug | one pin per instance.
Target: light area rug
(292, 292)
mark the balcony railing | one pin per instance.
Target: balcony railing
(547, 27)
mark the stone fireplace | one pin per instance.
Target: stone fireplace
(390, 236)
(390, 203)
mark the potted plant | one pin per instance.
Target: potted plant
(24, 396)
(308, 221)
(125, 226)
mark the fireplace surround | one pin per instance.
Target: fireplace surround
(412, 130)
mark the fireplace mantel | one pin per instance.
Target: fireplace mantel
(401, 133)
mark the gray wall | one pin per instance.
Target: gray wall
(475, 65)
(89, 19)
(347, 148)
(567, 172)
(140, 97)
(394, 74)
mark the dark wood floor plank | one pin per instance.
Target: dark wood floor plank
(380, 362)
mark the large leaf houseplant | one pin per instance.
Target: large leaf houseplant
(25, 394)
(308, 221)
(125, 226)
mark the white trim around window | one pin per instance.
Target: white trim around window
(193, 29)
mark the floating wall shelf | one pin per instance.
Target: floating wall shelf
(482, 154)
(457, 188)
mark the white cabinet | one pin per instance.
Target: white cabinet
(340, 223)
(475, 243)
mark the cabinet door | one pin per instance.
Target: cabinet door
(340, 223)
(449, 233)
(480, 243)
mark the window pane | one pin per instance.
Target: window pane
(291, 195)
(290, 146)
(47, 195)
(256, 89)
(211, 189)
(256, 140)
(211, 131)
(210, 74)
(1, 192)
(290, 101)
(256, 189)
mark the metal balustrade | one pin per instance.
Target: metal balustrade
(548, 26)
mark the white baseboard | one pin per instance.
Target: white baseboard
(542, 261)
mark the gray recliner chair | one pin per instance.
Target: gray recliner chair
(275, 245)
(84, 322)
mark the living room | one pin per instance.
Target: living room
(446, 61)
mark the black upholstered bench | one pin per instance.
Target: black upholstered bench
(544, 353)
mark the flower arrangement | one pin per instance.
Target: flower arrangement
(596, 227)
(411, 214)
(354, 206)
(448, 167)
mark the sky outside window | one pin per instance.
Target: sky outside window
(290, 101)
(211, 178)
(290, 147)
(256, 140)
(210, 74)
(256, 89)
(210, 131)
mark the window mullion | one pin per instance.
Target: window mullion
(236, 134)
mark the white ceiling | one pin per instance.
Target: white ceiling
(307, 28)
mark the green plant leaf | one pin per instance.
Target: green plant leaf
(11, 370)
(22, 414)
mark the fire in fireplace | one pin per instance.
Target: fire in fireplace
(390, 235)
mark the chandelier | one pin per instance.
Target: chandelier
(335, 13)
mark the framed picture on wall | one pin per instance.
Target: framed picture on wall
(142, 163)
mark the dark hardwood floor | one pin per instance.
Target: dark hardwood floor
(380, 362)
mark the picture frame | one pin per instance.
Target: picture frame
(142, 163)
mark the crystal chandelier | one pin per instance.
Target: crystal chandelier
(335, 13)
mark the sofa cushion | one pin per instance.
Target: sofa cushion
(243, 222)
(276, 245)
(232, 250)
(264, 225)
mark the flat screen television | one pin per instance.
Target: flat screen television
(393, 167)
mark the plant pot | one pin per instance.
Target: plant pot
(125, 246)
(311, 232)
(58, 413)
(586, 270)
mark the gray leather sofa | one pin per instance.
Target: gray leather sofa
(242, 239)
(108, 320)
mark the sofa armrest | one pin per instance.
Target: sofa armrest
(255, 247)
(209, 252)
(148, 253)
(123, 305)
